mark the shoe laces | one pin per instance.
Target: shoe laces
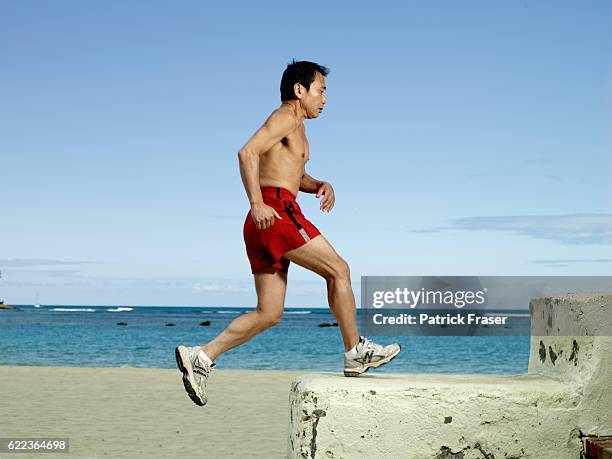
(201, 367)
(367, 344)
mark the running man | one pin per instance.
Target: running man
(272, 167)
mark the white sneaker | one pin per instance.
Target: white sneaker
(369, 355)
(195, 372)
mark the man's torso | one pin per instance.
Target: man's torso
(283, 164)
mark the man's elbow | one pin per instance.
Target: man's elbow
(242, 154)
(246, 152)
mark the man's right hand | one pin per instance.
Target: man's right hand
(263, 215)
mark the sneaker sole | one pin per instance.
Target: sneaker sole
(184, 364)
(366, 366)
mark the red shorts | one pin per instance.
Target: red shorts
(266, 247)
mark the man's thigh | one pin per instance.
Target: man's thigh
(317, 255)
(271, 286)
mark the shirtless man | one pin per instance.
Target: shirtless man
(272, 167)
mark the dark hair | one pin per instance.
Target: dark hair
(302, 72)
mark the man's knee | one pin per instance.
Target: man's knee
(339, 270)
(270, 319)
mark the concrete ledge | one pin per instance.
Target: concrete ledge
(541, 415)
(429, 416)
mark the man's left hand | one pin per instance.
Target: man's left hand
(329, 198)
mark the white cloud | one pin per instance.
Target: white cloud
(28, 262)
(571, 229)
(566, 262)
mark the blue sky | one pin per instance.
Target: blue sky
(462, 138)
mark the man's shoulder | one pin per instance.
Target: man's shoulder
(284, 118)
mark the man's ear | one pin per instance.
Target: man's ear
(298, 90)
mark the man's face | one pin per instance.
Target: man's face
(315, 99)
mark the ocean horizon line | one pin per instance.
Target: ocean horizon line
(115, 305)
(130, 306)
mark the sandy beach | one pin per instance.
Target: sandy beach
(143, 412)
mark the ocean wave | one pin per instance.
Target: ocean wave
(221, 312)
(119, 309)
(74, 309)
(297, 312)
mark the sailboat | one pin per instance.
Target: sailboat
(2, 305)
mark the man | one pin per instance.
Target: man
(272, 167)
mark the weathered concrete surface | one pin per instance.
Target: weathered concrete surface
(541, 415)
(422, 416)
(583, 362)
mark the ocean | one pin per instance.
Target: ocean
(90, 336)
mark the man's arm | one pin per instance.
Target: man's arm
(280, 124)
(309, 184)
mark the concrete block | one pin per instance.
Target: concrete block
(543, 414)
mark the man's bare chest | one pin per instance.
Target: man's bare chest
(297, 145)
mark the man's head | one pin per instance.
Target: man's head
(304, 81)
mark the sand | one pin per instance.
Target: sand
(145, 412)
